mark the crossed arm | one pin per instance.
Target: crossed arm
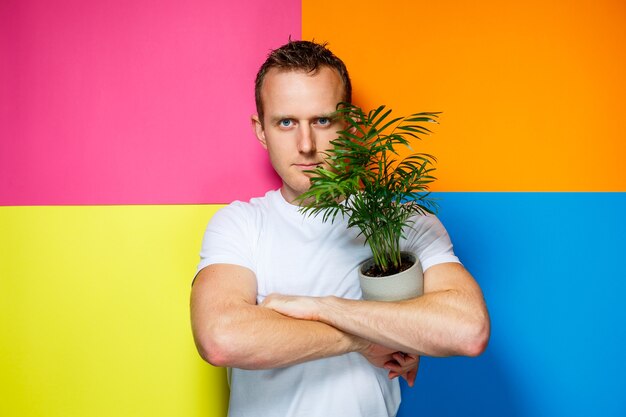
(449, 319)
(231, 330)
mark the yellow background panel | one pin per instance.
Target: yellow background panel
(533, 93)
(94, 312)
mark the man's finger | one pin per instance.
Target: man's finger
(399, 357)
(409, 376)
(394, 366)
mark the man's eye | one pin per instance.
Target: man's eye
(323, 121)
(285, 123)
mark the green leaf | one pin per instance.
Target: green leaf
(367, 184)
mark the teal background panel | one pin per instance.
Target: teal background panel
(551, 268)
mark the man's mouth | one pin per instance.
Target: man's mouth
(308, 165)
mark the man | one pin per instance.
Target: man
(277, 298)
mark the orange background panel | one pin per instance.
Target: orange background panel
(532, 93)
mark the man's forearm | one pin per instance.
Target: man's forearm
(254, 337)
(447, 320)
(431, 325)
(231, 330)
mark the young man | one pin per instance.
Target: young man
(277, 295)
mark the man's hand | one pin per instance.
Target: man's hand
(308, 308)
(297, 307)
(397, 363)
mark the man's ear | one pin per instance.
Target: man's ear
(258, 130)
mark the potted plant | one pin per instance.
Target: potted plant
(367, 181)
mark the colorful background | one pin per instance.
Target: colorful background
(124, 125)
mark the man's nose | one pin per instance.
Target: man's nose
(306, 139)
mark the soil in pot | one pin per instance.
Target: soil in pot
(406, 262)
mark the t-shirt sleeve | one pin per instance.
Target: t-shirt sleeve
(227, 239)
(430, 241)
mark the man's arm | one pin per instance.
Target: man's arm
(231, 330)
(449, 319)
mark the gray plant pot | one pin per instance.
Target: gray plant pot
(406, 284)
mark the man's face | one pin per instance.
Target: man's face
(297, 126)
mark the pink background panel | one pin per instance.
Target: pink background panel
(134, 102)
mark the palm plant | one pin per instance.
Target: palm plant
(366, 180)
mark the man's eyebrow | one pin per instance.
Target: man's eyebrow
(276, 119)
(330, 115)
(326, 115)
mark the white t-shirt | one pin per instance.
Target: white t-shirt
(301, 255)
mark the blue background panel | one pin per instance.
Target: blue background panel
(550, 265)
